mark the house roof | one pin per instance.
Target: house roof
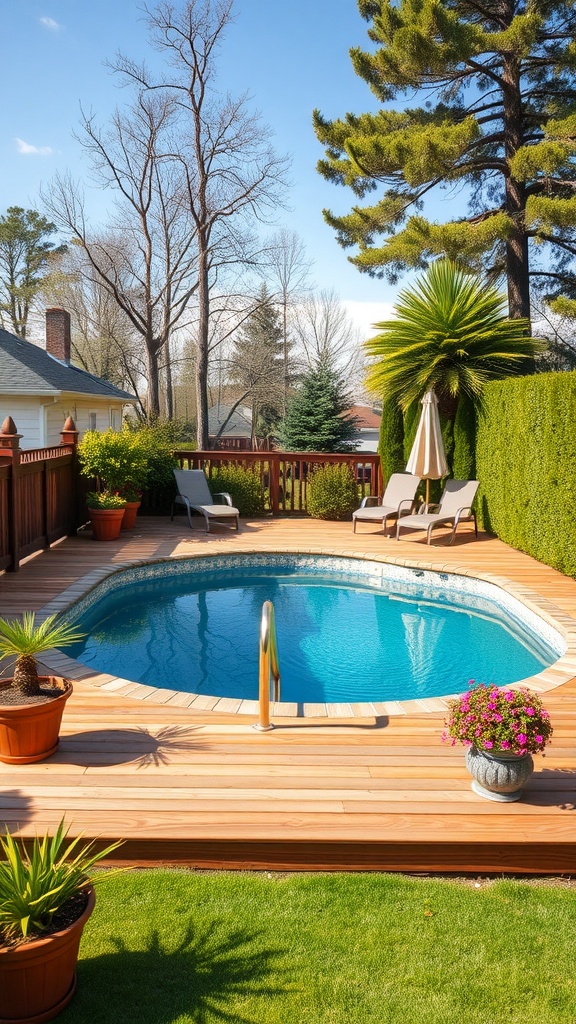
(368, 418)
(26, 369)
(239, 424)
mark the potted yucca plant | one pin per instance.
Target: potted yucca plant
(46, 897)
(31, 706)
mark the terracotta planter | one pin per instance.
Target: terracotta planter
(38, 979)
(106, 522)
(29, 732)
(130, 511)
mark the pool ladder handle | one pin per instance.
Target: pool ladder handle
(268, 666)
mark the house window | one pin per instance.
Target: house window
(91, 421)
(115, 419)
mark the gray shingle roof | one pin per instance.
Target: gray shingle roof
(239, 424)
(26, 369)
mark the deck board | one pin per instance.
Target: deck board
(193, 786)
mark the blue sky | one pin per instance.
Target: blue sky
(290, 57)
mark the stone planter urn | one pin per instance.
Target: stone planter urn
(498, 775)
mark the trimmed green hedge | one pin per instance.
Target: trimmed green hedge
(391, 444)
(526, 464)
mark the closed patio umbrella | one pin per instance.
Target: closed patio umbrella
(427, 458)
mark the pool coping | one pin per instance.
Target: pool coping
(560, 672)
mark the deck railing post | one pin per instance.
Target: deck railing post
(69, 435)
(10, 449)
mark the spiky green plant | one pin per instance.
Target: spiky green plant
(24, 639)
(451, 333)
(35, 885)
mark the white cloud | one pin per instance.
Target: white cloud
(50, 24)
(28, 150)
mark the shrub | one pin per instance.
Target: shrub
(525, 458)
(158, 441)
(244, 487)
(332, 493)
(104, 500)
(114, 457)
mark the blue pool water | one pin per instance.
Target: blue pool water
(340, 637)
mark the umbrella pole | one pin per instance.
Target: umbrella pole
(427, 492)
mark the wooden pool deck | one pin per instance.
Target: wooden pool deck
(192, 786)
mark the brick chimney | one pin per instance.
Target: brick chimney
(58, 334)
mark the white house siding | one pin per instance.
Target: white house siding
(40, 419)
(80, 409)
(25, 411)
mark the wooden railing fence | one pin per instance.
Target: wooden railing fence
(284, 476)
(40, 494)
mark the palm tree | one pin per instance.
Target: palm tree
(451, 334)
(25, 640)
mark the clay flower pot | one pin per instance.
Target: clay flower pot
(38, 978)
(130, 510)
(106, 522)
(30, 732)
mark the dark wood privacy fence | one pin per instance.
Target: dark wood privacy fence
(284, 476)
(40, 494)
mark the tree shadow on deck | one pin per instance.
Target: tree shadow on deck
(128, 746)
(203, 976)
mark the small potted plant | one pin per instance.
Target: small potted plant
(119, 461)
(132, 496)
(31, 706)
(46, 897)
(106, 514)
(501, 729)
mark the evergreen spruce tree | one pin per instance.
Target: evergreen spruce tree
(497, 81)
(314, 420)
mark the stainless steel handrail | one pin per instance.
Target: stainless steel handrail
(268, 666)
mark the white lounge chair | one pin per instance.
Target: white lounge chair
(194, 494)
(455, 507)
(397, 500)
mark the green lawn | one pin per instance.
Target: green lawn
(175, 947)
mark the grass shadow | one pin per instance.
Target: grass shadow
(204, 976)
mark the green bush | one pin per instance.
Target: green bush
(391, 443)
(332, 493)
(158, 441)
(115, 458)
(244, 487)
(525, 458)
(464, 460)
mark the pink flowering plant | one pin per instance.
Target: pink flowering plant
(498, 721)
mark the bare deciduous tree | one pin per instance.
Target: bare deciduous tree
(230, 172)
(145, 258)
(325, 334)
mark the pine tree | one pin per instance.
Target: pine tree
(314, 419)
(498, 119)
(25, 256)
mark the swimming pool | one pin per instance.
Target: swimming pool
(349, 630)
